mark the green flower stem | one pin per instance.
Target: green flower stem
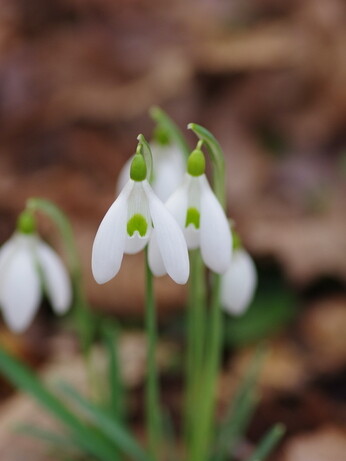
(84, 318)
(204, 430)
(162, 119)
(153, 411)
(196, 321)
(144, 149)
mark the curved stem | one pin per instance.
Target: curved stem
(144, 149)
(83, 313)
(172, 129)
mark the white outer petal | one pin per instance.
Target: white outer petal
(170, 239)
(177, 202)
(124, 176)
(55, 277)
(135, 244)
(215, 233)
(239, 283)
(6, 250)
(169, 169)
(154, 256)
(109, 244)
(20, 290)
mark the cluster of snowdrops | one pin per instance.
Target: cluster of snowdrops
(166, 206)
(175, 212)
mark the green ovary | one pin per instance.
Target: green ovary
(192, 217)
(137, 223)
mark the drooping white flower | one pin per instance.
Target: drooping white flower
(25, 262)
(239, 283)
(200, 215)
(168, 170)
(128, 225)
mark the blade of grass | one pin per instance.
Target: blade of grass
(240, 410)
(24, 379)
(268, 443)
(116, 405)
(112, 429)
(54, 439)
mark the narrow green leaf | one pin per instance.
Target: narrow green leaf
(167, 123)
(117, 402)
(23, 378)
(110, 428)
(59, 440)
(268, 443)
(240, 410)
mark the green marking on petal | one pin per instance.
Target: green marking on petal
(192, 217)
(196, 163)
(138, 171)
(137, 223)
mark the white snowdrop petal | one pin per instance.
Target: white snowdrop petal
(169, 170)
(215, 234)
(239, 283)
(177, 202)
(124, 176)
(156, 264)
(135, 243)
(55, 277)
(20, 290)
(109, 244)
(6, 250)
(170, 239)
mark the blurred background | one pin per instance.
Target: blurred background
(268, 78)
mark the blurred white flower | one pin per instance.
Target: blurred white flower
(128, 225)
(168, 170)
(25, 261)
(202, 218)
(239, 283)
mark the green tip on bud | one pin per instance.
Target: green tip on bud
(161, 136)
(196, 163)
(138, 171)
(26, 223)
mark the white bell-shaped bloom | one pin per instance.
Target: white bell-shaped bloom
(202, 218)
(25, 262)
(239, 283)
(128, 225)
(168, 170)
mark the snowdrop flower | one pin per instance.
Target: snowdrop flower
(200, 215)
(25, 262)
(168, 166)
(128, 225)
(239, 283)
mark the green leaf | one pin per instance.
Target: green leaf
(240, 410)
(23, 378)
(268, 443)
(110, 428)
(117, 401)
(172, 129)
(56, 440)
